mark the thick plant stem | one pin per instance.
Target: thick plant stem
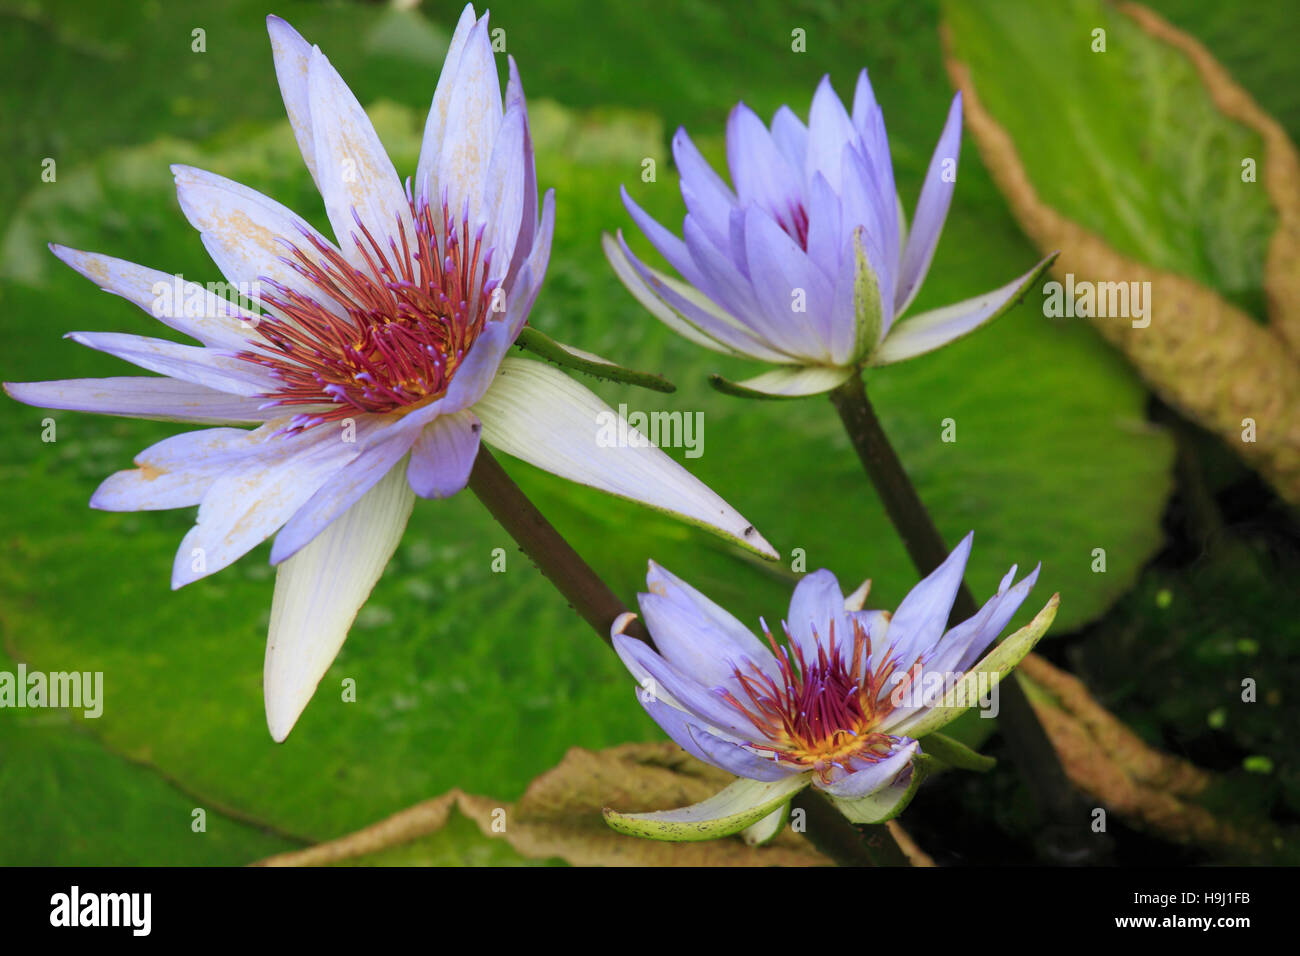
(1030, 748)
(574, 578)
(562, 566)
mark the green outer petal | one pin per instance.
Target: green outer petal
(540, 415)
(767, 829)
(874, 808)
(954, 753)
(998, 661)
(912, 343)
(542, 345)
(868, 309)
(783, 383)
(728, 811)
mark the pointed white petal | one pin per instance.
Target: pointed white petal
(357, 179)
(858, 599)
(247, 504)
(247, 234)
(473, 120)
(190, 363)
(177, 471)
(729, 811)
(292, 55)
(140, 396)
(436, 124)
(319, 591)
(184, 306)
(539, 414)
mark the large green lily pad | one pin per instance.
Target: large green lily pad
(479, 680)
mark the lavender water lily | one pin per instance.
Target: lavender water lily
(843, 705)
(377, 365)
(806, 261)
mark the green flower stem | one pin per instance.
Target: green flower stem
(574, 578)
(1030, 749)
(546, 548)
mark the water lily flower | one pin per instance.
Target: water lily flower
(806, 261)
(375, 365)
(845, 706)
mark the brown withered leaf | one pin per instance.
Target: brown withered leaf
(559, 815)
(1149, 789)
(1200, 353)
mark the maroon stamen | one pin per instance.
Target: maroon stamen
(380, 339)
(822, 712)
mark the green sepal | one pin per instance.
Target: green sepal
(781, 384)
(954, 753)
(868, 308)
(767, 829)
(997, 664)
(730, 810)
(545, 347)
(879, 808)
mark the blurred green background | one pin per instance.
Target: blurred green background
(473, 679)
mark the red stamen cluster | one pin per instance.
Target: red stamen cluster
(407, 321)
(821, 713)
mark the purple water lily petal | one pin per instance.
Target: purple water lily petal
(333, 499)
(824, 231)
(761, 172)
(791, 138)
(825, 187)
(695, 645)
(707, 197)
(443, 455)
(714, 750)
(931, 209)
(705, 705)
(922, 616)
(793, 293)
(966, 643)
(816, 607)
(873, 777)
(666, 244)
(829, 131)
(663, 582)
(528, 223)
